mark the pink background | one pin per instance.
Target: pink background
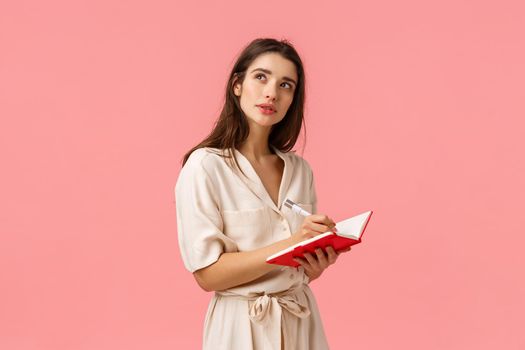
(415, 110)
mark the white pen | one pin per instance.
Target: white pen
(295, 208)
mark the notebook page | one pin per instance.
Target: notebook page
(352, 227)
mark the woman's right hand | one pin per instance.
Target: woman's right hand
(312, 226)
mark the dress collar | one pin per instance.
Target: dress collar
(254, 183)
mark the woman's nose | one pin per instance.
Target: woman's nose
(270, 92)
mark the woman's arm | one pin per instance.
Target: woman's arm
(233, 269)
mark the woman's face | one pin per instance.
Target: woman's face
(270, 79)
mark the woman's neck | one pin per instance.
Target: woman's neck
(256, 145)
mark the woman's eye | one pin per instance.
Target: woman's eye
(262, 75)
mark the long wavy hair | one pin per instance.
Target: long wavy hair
(231, 128)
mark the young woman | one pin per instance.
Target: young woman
(231, 216)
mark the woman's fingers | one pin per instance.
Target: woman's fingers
(321, 258)
(305, 264)
(320, 223)
(319, 228)
(332, 255)
(311, 260)
(322, 219)
(300, 261)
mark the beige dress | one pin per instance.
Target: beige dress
(219, 210)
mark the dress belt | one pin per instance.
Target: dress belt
(266, 310)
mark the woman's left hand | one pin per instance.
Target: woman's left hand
(314, 266)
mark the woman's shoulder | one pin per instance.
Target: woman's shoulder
(199, 168)
(204, 158)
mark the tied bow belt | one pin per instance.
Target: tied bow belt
(266, 310)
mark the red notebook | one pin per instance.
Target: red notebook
(349, 232)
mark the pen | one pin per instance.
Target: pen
(295, 208)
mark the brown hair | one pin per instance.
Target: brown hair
(231, 129)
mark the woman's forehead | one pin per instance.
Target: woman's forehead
(276, 64)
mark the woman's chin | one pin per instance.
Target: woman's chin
(264, 121)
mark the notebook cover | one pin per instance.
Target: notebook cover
(337, 242)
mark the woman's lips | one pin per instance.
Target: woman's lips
(265, 110)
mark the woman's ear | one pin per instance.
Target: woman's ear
(237, 89)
